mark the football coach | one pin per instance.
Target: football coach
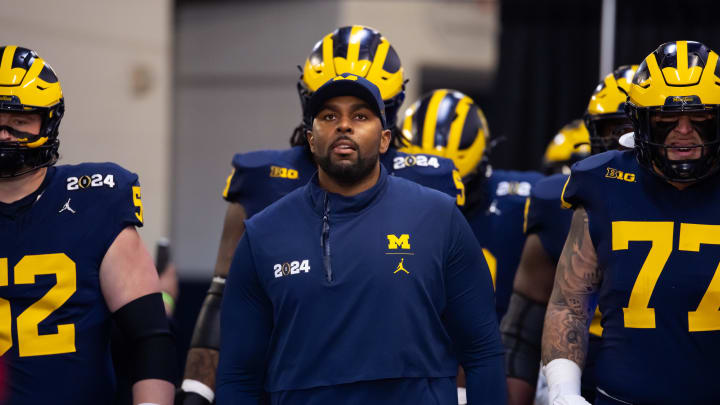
(358, 288)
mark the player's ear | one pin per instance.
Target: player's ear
(384, 140)
(311, 140)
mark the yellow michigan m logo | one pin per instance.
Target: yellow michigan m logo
(403, 241)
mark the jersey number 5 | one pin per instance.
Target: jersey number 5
(30, 341)
(637, 314)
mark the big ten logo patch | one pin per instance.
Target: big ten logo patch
(283, 172)
(395, 242)
(291, 268)
(520, 188)
(619, 175)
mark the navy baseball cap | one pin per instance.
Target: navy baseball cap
(348, 84)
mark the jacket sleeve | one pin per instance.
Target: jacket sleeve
(470, 316)
(245, 327)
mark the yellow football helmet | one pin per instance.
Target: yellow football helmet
(448, 123)
(361, 51)
(605, 117)
(570, 144)
(677, 78)
(29, 85)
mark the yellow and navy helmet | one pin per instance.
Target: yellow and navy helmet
(605, 117)
(29, 85)
(361, 51)
(448, 123)
(678, 77)
(570, 144)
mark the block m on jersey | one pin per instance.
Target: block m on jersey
(403, 241)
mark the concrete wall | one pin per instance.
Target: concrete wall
(235, 86)
(113, 61)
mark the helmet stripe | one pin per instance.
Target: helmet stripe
(682, 58)
(354, 42)
(652, 65)
(376, 73)
(33, 72)
(456, 128)
(328, 56)
(6, 77)
(431, 120)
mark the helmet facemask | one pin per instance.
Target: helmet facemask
(606, 130)
(651, 135)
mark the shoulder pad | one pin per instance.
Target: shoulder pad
(431, 171)
(586, 183)
(595, 161)
(116, 187)
(550, 187)
(105, 178)
(259, 178)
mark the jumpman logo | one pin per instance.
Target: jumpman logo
(66, 207)
(400, 267)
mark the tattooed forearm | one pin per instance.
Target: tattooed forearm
(566, 321)
(201, 365)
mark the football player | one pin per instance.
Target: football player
(261, 178)
(70, 258)
(643, 240)
(568, 146)
(546, 226)
(448, 123)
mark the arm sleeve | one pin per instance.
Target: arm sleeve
(470, 316)
(245, 328)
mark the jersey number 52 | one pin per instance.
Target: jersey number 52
(30, 341)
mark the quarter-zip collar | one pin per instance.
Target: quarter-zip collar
(340, 205)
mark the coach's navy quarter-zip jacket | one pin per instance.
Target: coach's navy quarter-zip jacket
(369, 299)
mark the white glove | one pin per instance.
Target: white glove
(563, 379)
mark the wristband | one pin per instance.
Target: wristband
(198, 388)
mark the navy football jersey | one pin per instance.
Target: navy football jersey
(545, 215)
(54, 323)
(260, 178)
(658, 248)
(499, 228)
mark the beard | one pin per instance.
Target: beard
(347, 173)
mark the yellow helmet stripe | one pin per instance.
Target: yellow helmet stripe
(6, 64)
(653, 67)
(461, 110)
(375, 74)
(33, 72)
(428, 137)
(682, 58)
(353, 52)
(328, 56)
